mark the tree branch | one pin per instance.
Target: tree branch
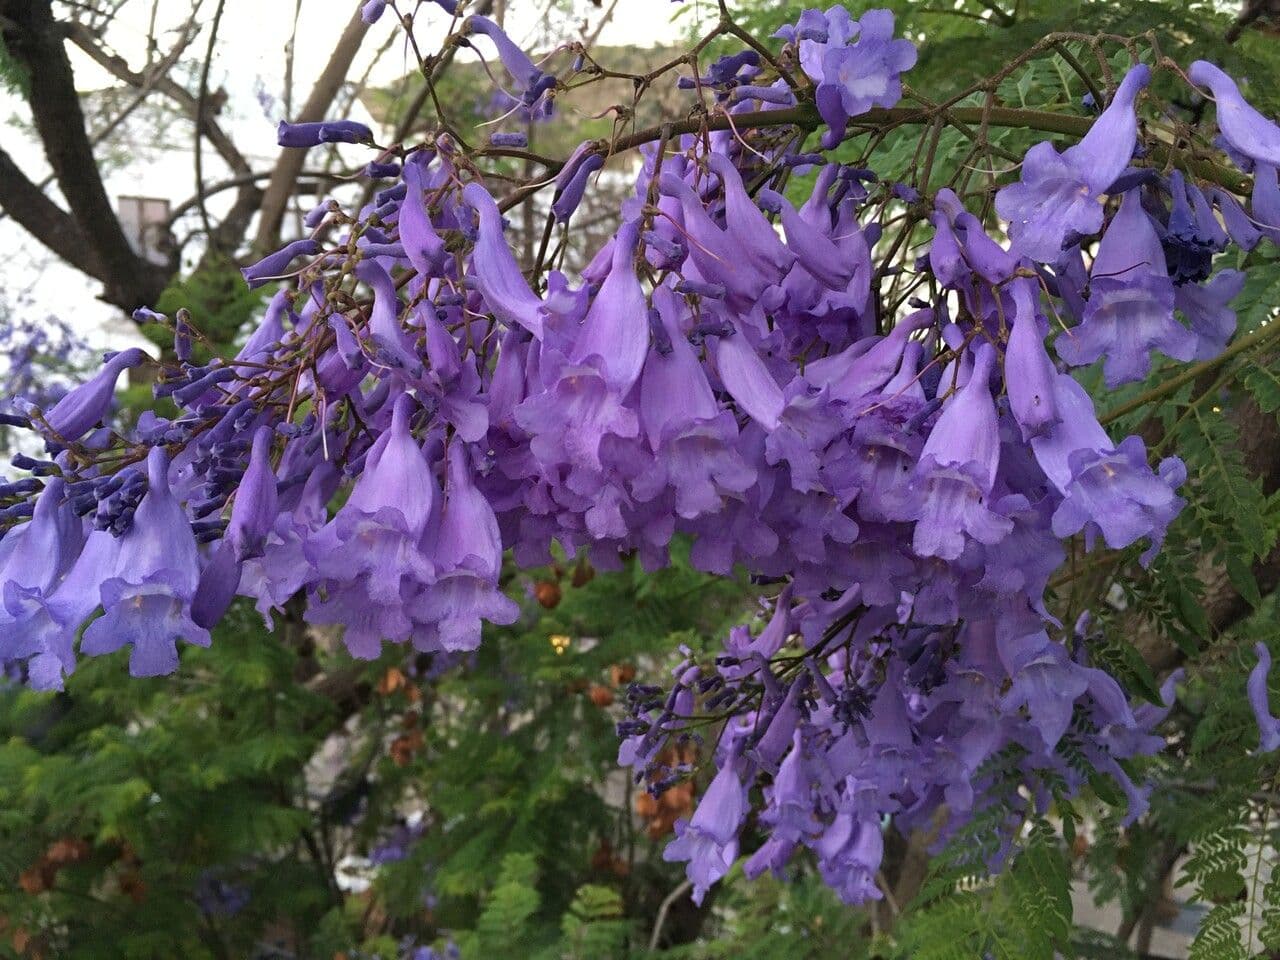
(276, 197)
(35, 41)
(52, 226)
(161, 83)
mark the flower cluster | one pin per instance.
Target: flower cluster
(411, 407)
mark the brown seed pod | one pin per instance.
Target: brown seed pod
(600, 695)
(547, 593)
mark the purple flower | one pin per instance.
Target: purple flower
(1110, 487)
(372, 10)
(852, 76)
(313, 134)
(1028, 371)
(1060, 196)
(1206, 307)
(272, 266)
(615, 332)
(709, 839)
(147, 597)
(1129, 312)
(1246, 130)
(468, 556)
(1044, 681)
(88, 404)
(1268, 726)
(957, 470)
(375, 548)
(498, 278)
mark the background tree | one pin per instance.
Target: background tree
(514, 888)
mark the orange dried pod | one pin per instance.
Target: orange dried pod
(646, 805)
(547, 593)
(600, 695)
(621, 674)
(32, 880)
(391, 681)
(401, 751)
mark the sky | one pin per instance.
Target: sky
(250, 63)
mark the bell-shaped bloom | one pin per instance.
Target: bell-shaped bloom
(1028, 371)
(1246, 130)
(1044, 681)
(1129, 312)
(147, 598)
(571, 181)
(957, 470)
(1243, 232)
(43, 629)
(1207, 308)
(748, 380)
(371, 554)
(422, 244)
(89, 404)
(851, 76)
(708, 840)
(253, 515)
(1109, 486)
(850, 852)
(717, 255)
(1193, 234)
(815, 250)
(615, 333)
(1060, 195)
(468, 555)
(392, 345)
(283, 569)
(693, 442)
(1259, 701)
(568, 421)
(498, 278)
(758, 240)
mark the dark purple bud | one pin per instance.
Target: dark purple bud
(517, 140)
(305, 135)
(381, 171)
(571, 185)
(182, 336)
(779, 95)
(712, 291)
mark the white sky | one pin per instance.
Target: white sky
(251, 59)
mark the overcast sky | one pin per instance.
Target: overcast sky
(250, 61)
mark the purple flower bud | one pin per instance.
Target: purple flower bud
(88, 404)
(372, 10)
(516, 140)
(313, 134)
(273, 265)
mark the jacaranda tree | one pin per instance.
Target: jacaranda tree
(941, 395)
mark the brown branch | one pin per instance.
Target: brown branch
(52, 226)
(276, 198)
(163, 84)
(36, 42)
